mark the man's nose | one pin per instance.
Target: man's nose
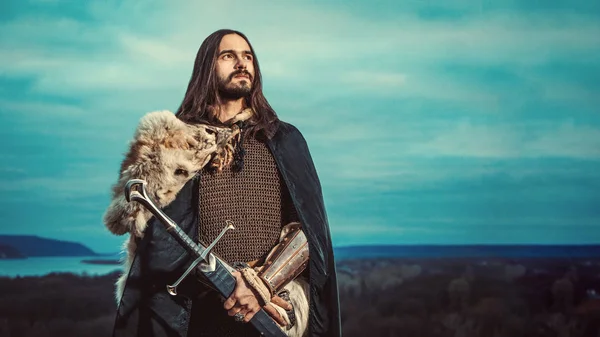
(241, 64)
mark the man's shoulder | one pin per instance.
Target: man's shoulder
(287, 135)
(287, 132)
(286, 128)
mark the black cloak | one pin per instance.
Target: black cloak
(146, 309)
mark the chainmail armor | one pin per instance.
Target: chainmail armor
(256, 200)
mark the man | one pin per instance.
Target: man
(270, 183)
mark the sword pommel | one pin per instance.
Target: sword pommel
(133, 188)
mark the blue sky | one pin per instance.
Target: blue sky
(456, 122)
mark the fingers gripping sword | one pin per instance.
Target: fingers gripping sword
(214, 269)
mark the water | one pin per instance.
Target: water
(469, 251)
(40, 266)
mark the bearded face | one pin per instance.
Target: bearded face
(235, 86)
(234, 67)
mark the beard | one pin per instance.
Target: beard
(232, 91)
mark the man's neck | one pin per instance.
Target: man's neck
(229, 109)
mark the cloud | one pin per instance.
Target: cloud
(135, 59)
(366, 79)
(380, 153)
(406, 231)
(392, 100)
(513, 141)
(55, 189)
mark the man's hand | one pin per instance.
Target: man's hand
(243, 300)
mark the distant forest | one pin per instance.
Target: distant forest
(395, 297)
(57, 305)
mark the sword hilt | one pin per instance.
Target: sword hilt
(135, 190)
(217, 271)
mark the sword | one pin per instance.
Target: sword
(214, 269)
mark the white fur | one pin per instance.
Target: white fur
(129, 246)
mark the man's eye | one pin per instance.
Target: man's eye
(249, 57)
(227, 56)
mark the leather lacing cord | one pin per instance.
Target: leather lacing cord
(240, 152)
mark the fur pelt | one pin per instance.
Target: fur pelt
(166, 153)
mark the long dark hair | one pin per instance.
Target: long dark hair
(201, 97)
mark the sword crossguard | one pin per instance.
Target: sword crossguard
(202, 260)
(215, 241)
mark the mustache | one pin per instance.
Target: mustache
(240, 72)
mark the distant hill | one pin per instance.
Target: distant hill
(10, 252)
(35, 246)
